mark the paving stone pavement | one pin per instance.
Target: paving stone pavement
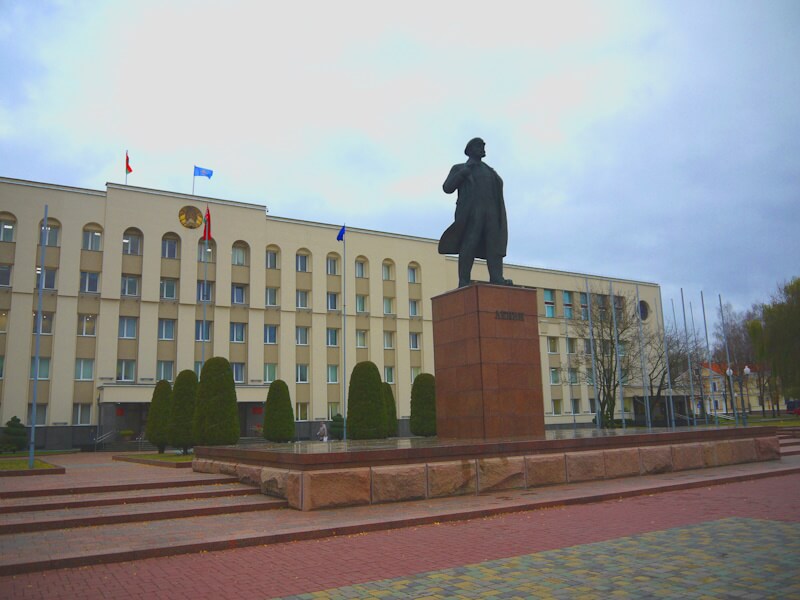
(729, 558)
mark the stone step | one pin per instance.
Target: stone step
(111, 497)
(156, 510)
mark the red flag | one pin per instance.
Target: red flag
(127, 163)
(207, 226)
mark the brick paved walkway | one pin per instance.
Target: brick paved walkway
(620, 539)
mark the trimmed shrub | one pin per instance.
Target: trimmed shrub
(390, 410)
(366, 417)
(158, 417)
(278, 413)
(336, 430)
(15, 436)
(423, 405)
(184, 395)
(216, 415)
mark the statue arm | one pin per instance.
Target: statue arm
(454, 179)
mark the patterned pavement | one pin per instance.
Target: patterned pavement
(728, 558)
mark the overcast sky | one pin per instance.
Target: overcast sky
(655, 141)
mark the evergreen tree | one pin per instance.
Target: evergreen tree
(366, 417)
(336, 430)
(158, 417)
(278, 413)
(216, 415)
(15, 435)
(423, 405)
(184, 395)
(390, 410)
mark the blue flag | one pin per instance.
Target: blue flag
(201, 172)
(340, 237)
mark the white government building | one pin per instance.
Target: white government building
(123, 308)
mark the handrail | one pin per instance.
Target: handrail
(140, 440)
(102, 438)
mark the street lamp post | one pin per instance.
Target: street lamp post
(729, 373)
(747, 385)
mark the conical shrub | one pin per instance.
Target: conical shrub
(158, 417)
(184, 395)
(216, 415)
(423, 405)
(390, 410)
(278, 413)
(366, 417)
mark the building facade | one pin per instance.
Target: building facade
(132, 296)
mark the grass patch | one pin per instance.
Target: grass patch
(21, 464)
(177, 458)
(26, 453)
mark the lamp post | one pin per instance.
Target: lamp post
(747, 385)
(729, 373)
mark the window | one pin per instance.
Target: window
(238, 293)
(7, 231)
(552, 345)
(333, 373)
(361, 338)
(239, 256)
(166, 329)
(130, 285)
(270, 334)
(84, 369)
(205, 291)
(413, 341)
(301, 336)
(127, 328)
(576, 406)
(301, 263)
(87, 325)
(590, 377)
(361, 303)
(47, 322)
(126, 370)
(132, 244)
(573, 376)
(238, 372)
(415, 372)
(361, 269)
(271, 296)
(388, 374)
(572, 346)
(412, 274)
(587, 346)
(413, 308)
(333, 410)
(301, 411)
(556, 406)
(91, 241)
(49, 279)
(270, 372)
(51, 235)
(592, 408)
(554, 377)
(332, 266)
(3, 321)
(90, 282)
(237, 332)
(301, 374)
(301, 299)
(169, 248)
(388, 340)
(5, 275)
(41, 413)
(81, 414)
(388, 306)
(332, 337)
(205, 254)
(168, 289)
(164, 370)
(202, 331)
(567, 298)
(2, 366)
(44, 367)
(584, 306)
(386, 272)
(333, 301)
(549, 303)
(272, 259)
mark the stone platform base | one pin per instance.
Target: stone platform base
(356, 480)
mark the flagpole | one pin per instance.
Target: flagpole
(597, 411)
(193, 178)
(708, 359)
(616, 350)
(344, 335)
(37, 353)
(645, 383)
(126, 167)
(689, 361)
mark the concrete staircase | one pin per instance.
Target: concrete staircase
(789, 439)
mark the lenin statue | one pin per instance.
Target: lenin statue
(480, 229)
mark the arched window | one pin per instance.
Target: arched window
(387, 270)
(302, 261)
(171, 246)
(240, 254)
(207, 254)
(52, 233)
(132, 242)
(273, 257)
(362, 267)
(414, 273)
(92, 237)
(8, 225)
(332, 264)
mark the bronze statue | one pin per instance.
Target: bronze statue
(480, 229)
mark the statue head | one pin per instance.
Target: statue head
(475, 148)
